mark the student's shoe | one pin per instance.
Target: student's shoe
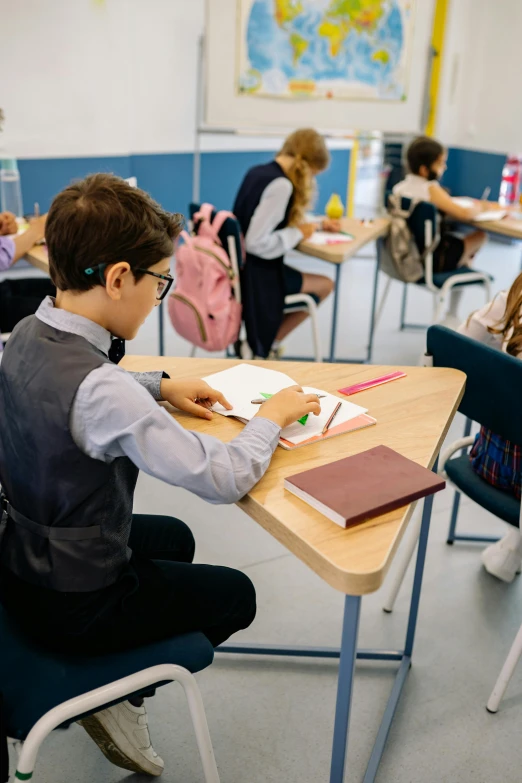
(122, 734)
(504, 559)
(276, 353)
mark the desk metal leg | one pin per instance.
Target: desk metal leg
(374, 301)
(334, 313)
(348, 654)
(161, 334)
(352, 610)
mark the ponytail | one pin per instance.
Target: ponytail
(309, 153)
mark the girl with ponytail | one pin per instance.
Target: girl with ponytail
(271, 206)
(497, 461)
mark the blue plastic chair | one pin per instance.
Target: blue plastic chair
(43, 690)
(424, 225)
(492, 399)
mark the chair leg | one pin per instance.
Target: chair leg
(116, 691)
(402, 567)
(438, 306)
(193, 351)
(315, 334)
(453, 521)
(380, 306)
(403, 306)
(506, 673)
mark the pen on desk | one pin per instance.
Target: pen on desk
(36, 212)
(261, 400)
(332, 417)
(486, 193)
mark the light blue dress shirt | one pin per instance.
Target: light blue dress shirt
(113, 416)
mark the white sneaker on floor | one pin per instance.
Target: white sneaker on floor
(122, 734)
(451, 321)
(504, 559)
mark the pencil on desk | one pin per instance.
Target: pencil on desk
(332, 417)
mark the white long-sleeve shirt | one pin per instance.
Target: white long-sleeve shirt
(262, 239)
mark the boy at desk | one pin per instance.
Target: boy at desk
(426, 159)
(75, 432)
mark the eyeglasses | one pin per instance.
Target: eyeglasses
(163, 287)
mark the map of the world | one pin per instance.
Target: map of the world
(355, 49)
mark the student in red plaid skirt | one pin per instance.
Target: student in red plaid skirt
(498, 461)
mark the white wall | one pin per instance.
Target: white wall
(80, 78)
(480, 104)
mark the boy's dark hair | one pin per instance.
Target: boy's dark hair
(423, 152)
(102, 220)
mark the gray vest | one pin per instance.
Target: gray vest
(67, 517)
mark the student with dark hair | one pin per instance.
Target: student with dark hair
(78, 571)
(426, 159)
(19, 298)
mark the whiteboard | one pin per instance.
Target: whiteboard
(224, 107)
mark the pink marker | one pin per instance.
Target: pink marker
(359, 387)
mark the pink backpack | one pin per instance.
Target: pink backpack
(203, 307)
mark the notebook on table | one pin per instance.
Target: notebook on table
(245, 382)
(366, 485)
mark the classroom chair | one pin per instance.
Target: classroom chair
(501, 375)
(43, 690)
(230, 236)
(424, 225)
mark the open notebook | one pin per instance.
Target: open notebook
(246, 382)
(489, 214)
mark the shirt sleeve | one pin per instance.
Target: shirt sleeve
(113, 416)
(7, 253)
(476, 326)
(151, 381)
(262, 239)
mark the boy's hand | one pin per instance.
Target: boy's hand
(8, 224)
(307, 229)
(193, 396)
(289, 405)
(331, 225)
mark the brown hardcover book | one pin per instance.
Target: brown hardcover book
(364, 486)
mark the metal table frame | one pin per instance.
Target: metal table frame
(348, 654)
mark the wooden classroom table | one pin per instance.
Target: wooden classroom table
(509, 226)
(413, 415)
(337, 255)
(39, 258)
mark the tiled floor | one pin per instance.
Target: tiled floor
(271, 720)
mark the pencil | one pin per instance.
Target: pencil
(332, 417)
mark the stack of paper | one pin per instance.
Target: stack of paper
(245, 382)
(329, 238)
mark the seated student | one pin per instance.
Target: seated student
(499, 462)
(426, 159)
(19, 298)
(76, 429)
(270, 206)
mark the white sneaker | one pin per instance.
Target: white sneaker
(122, 734)
(504, 558)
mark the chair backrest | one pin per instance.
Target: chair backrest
(423, 212)
(494, 380)
(230, 228)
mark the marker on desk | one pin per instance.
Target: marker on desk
(261, 400)
(332, 417)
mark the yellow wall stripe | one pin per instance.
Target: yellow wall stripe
(437, 42)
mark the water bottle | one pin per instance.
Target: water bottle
(509, 187)
(10, 188)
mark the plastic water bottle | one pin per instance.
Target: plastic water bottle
(510, 185)
(10, 188)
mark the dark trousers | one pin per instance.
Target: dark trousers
(20, 298)
(161, 594)
(213, 599)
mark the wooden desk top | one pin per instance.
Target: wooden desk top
(413, 415)
(38, 257)
(337, 254)
(508, 227)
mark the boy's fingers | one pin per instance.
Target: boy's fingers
(218, 397)
(197, 410)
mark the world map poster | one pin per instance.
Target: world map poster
(351, 49)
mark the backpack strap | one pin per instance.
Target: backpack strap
(220, 218)
(205, 212)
